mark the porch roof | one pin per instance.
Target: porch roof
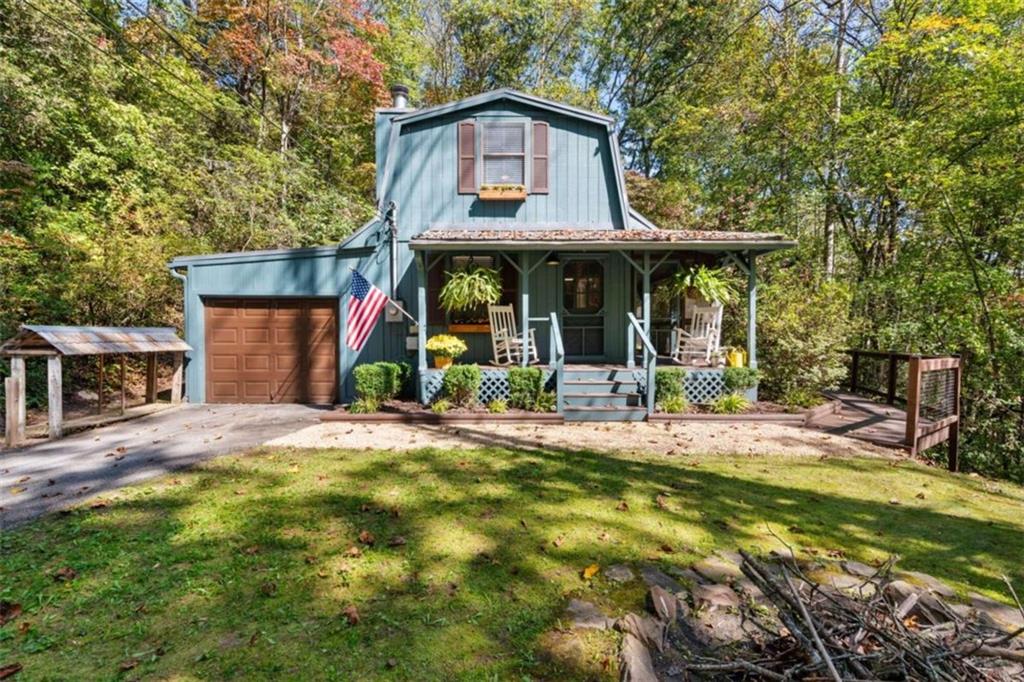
(599, 240)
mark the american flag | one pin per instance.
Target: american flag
(363, 309)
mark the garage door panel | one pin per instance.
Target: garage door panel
(271, 350)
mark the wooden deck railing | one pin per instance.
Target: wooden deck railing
(929, 390)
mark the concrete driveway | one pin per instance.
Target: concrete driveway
(57, 474)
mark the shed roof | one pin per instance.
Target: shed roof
(598, 240)
(48, 340)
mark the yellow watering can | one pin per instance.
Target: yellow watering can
(736, 357)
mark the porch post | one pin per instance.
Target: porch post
(646, 293)
(421, 321)
(54, 396)
(524, 305)
(751, 311)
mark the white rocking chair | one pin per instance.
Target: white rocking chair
(703, 339)
(505, 340)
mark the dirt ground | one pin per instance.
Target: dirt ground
(672, 439)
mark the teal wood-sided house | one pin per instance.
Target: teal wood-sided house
(577, 263)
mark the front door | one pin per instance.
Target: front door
(583, 308)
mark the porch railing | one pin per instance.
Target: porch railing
(556, 361)
(650, 357)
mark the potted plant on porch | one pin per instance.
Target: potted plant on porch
(468, 289)
(445, 348)
(710, 284)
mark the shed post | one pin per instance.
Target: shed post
(151, 377)
(99, 387)
(124, 401)
(179, 366)
(55, 396)
(18, 372)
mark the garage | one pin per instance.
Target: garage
(271, 350)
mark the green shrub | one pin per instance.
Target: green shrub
(730, 403)
(802, 398)
(364, 406)
(674, 405)
(738, 379)
(441, 405)
(461, 383)
(546, 402)
(802, 327)
(497, 406)
(525, 385)
(379, 381)
(668, 384)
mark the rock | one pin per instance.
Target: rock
(718, 570)
(858, 569)
(930, 583)
(635, 663)
(664, 605)
(850, 584)
(898, 590)
(652, 576)
(619, 573)
(688, 574)
(648, 630)
(585, 615)
(746, 587)
(715, 596)
(1008, 617)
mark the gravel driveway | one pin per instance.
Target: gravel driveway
(60, 473)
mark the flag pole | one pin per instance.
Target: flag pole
(392, 303)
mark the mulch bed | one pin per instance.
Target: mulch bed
(411, 412)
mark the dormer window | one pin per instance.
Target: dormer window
(503, 150)
(502, 160)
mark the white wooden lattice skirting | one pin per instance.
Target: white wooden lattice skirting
(493, 384)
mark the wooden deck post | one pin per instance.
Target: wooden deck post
(151, 378)
(854, 369)
(913, 401)
(954, 429)
(55, 396)
(176, 378)
(124, 399)
(99, 388)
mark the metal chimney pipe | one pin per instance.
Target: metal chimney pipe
(399, 96)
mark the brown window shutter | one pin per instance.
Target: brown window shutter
(467, 157)
(435, 280)
(539, 183)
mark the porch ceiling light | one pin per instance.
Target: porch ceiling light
(552, 259)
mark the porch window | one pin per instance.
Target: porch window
(474, 320)
(503, 151)
(583, 287)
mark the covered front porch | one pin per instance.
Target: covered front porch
(589, 299)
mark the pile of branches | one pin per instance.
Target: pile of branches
(820, 632)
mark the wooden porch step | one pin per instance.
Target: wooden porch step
(604, 414)
(609, 399)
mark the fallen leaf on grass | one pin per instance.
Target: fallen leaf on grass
(99, 504)
(269, 588)
(590, 571)
(667, 548)
(894, 502)
(557, 542)
(10, 670)
(919, 496)
(23, 627)
(351, 613)
(129, 663)
(8, 612)
(251, 550)
(396, 541)
(353, 551)
(65, 574)
(661, 501)
(623, 506)
(310, 559)
(367, 538)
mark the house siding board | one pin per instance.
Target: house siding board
(307, 276)
(582, 190)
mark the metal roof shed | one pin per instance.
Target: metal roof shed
(55, 342)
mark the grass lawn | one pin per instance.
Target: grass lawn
(252, 567)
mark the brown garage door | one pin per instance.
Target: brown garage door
(271, 350)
